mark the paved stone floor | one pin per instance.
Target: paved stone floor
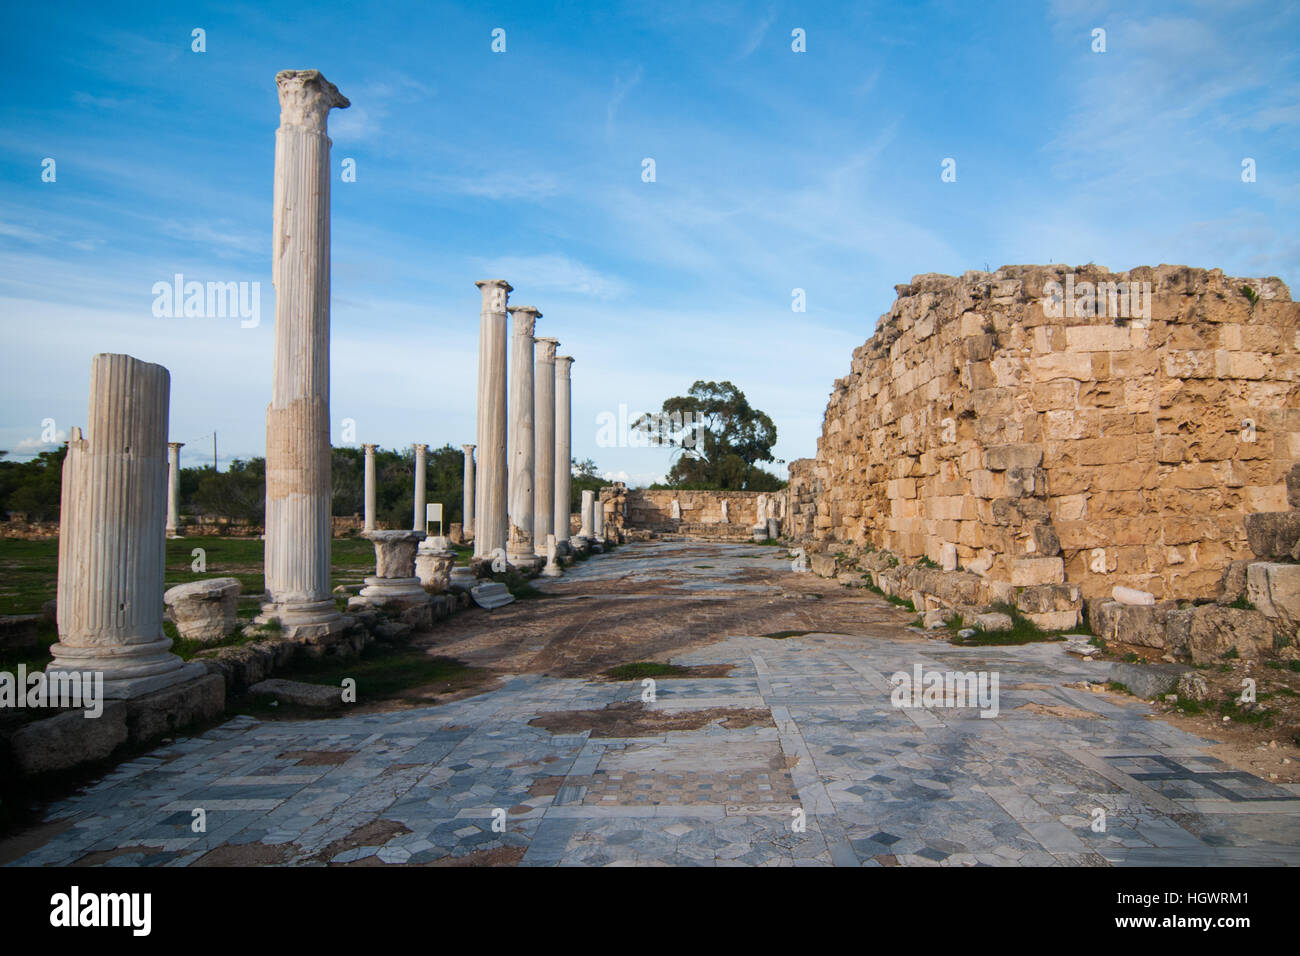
(877, 785)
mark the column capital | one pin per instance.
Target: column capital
(563, 363)
(420, 448)
(468, 449)
(369, 449)
(547, 351)
(526, 317)
(495, 292)
(176, 444)
(306, 97)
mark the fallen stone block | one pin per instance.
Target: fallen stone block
(68, 740)
(322, 696)
(1274, 589)
(935, 619)
(164, 712)
(18, 632)
(204, 611)
(823, 565)
(1216, 631)
(1192, 686)
(1129, 624)
(1148, 680)
(1273, 534)
(491, 595)
(1232, 585)
(1132, 596)
(994, 622)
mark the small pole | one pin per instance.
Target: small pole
(214, 452)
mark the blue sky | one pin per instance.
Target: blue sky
(775, 170)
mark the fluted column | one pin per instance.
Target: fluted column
(369, 488)
(563, 449)
(174, 487)
(467, 495)
(519, 542)
(298, 452)
(492, 481)
(421, 516)
(544, 446)
(112, 535)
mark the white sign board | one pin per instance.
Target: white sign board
(433, 513)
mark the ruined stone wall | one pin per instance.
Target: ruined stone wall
(1096, 449)
(701, 511)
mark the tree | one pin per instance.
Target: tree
(34, 487)
(720, 438)
(585, 477)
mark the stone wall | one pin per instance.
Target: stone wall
(639, 509)
(1098, 449)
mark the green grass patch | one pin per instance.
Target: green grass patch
(640, 670)
(782, 635)
(1023, 631)
(1118, 687)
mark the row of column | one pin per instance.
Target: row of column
(521, 495)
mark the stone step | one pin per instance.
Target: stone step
(491, 594)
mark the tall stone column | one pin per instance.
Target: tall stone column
(467, 495)
(519, 543)
(112, 535)
(298, 538)
(369, 489)
(421, 516)
(492, 481)
(174, 488)
(563, 449)
(544, 454)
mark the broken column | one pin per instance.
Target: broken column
(585, 532)
(519, 540)
(598, 521)
(544, 446)
(467, 495)
(421, 516)
(174, 488)
(112, 535)
(491, 480)
(563, 450)
(369, 488)
(298, 493)
(394, 582)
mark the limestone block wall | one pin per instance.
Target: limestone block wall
(1098, 449)
(701, 511)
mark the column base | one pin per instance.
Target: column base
(304, 619)
(379, 592)
(128, 670)
(522, 560)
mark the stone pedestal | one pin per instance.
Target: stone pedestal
(519, 540)
(419, 522)
(491, 484)
(760, 532)
(563, 450)
(544, 446)
(298, 491)
(174, 488)
(467, 496)
(204, 611)
(394, 581)
(434, 560)
(111, 536)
